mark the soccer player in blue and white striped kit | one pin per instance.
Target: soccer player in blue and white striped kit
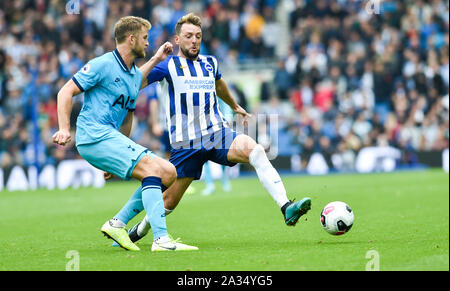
(111, 84)
(198, 130)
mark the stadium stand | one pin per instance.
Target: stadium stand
(344, 77)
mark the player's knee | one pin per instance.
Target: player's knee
(169, 173)
(257, 155)
(147, 167)
(241, 149)
(249, 145)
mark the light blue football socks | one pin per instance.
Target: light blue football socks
(154, 205)
(132, 208)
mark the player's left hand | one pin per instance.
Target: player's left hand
(244, 114)
(164, 51)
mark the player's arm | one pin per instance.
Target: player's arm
(127, 123)
(64, 107)
(224, 94)
(163, 52)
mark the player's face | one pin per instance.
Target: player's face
(189, 40)
(141, 43)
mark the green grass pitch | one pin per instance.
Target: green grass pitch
(402, 217)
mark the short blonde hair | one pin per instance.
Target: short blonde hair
(188, 18)
(128, 25)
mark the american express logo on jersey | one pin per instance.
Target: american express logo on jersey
(200, 84)
(190, 98)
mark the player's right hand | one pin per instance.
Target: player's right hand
(61, 137)
(108, 176)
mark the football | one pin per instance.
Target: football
(337, 218)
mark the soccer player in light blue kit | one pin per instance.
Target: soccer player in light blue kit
(198, 130)
(111, 84)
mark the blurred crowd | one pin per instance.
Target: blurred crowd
(362, 76)
(352, 77)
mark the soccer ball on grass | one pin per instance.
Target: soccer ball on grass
(337, 218)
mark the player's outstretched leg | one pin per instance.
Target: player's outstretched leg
(245, 150)
(149, 170)
(171, 198)
(129, 211)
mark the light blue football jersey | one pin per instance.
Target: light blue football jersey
(110, 92)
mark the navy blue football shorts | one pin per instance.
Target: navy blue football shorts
(165, 142)
(189, 159)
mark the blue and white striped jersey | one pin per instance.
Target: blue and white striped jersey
(191, 103)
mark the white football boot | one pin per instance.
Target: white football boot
(166, 243)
